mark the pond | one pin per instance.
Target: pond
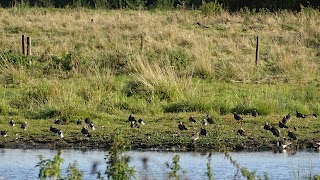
(20, 163)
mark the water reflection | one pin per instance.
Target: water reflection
(20, 164)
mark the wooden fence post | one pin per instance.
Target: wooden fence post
(257, 51)
(28, 46)
(23, 45)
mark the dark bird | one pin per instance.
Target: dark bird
(87, 120)
(191, 119)
(275, 131)
(85, 132)
(3, 133)
(203, 132)
(286, 119)
(133, 124)
(56, 131)
(209, 119)
(283, 144)
(141, 121)
(57, 121)
(79, 122)
(204, 122)
(201, 25)
(254, 113)
(292, 135)
(299, 115)
(181, 126)
(24, 125)
(91, 126)
(295, 128)
(282, 125)
(12, 123)
(241, 132)
(267, 126)
(131, 118)
(237, 116)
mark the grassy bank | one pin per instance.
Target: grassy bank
(162, 67)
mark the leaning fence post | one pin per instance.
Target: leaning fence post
(28, 46)
(257, 51)
(23, 45)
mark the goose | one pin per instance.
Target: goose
(195, 136)
(12, 123)
(140, 120)
(191, 119)
(181, 126)
(209, 119)
(283, 144)
(3, 133)
(57, 121)
(24, 125)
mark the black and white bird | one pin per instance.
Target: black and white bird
(292, 135)
(85, 132)
(275, 131)
(181, 126)
(237, 117)
(3, 133)
(87, 120)
(57, 132)
(91, 126)
(254, 113)
(24, 125)
(267, 126)
(204, 122)
(141, 121)
(79, 122)
(209, 119)
(300, 115)
(131, 118)
(286, 119)
(282, 125)
(203, 132)
(57, 121)
(242, 132)
(283, 144)
(133, 124)
(12, 123)
(191, 119)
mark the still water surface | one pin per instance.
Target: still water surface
(19, 164)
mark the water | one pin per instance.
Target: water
(19, 164)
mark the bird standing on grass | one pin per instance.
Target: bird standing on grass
(254, 113)
(267, 126)
(275, 131)
(282, 125)
(133, 124)
(56, 131)
(181, 126)
(204, 122)
(242, 132)
(209, 119)
(203, 132)
(24, 125)
(237, 117)
(3, 133)
(79, 122)
(141, 121)
(191, 119)
(85, 132)
(292, 135)
(12, 123)
(286, 119)
(299, 115)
